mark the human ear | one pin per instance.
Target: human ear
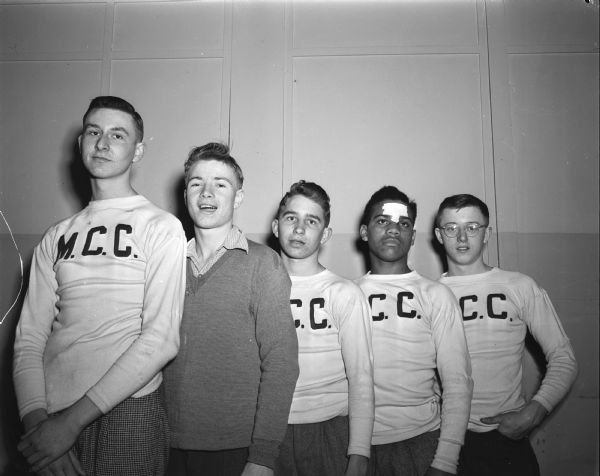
(275, 227)
(327, 232)
(363, 233)
(140, 148)
(487, 234)
(239, 198)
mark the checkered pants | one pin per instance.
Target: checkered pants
(130, 440)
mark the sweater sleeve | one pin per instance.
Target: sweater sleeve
(454, 367)
(33, 329)
(158, 340)
(544, 325)
(278, 352)
(357, 352)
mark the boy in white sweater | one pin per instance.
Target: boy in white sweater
(101, 318)
(498, 308)
(417, 330)
(331, 418)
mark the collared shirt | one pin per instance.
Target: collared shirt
(235, 239)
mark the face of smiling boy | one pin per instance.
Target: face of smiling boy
(301, 228)
(212, 194)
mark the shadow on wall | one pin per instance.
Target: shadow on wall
(272, 241)
(181, 209)
(437, 247)
(76, 182)
(11, 429)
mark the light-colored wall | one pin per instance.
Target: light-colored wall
(544, 61)
(498, 99)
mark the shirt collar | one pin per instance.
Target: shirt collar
(235, 239)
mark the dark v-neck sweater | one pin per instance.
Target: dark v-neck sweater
(232, 382)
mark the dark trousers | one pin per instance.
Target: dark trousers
(410, 457)
(207, 463)
(314, 449)
(493, 454)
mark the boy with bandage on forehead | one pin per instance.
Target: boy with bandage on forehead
(417, 328)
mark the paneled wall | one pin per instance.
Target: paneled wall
(388, 93)
(494, 98)
(544, 65)
(171, 60)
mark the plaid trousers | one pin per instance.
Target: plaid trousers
(130, 440)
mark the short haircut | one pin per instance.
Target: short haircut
(213, 151)
(312, 191)
(457, 202)
(385, 194)
(119, 104)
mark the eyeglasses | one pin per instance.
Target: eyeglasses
(471, 229)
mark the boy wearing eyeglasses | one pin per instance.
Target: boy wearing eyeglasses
(498, 308)
(417, 335)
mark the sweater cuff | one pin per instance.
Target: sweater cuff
(446, 456)
(543, 402)
(97, 400)
(359, 450)
(263, 452)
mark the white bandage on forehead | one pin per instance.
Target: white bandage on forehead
(395, 211)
